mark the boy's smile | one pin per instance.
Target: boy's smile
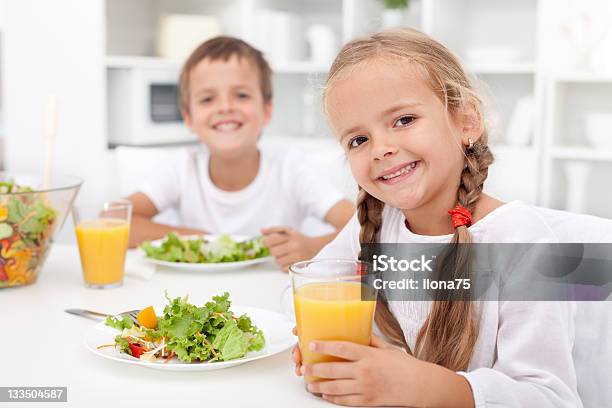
(226, 106)
(226, 125)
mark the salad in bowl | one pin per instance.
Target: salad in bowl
(29, 216)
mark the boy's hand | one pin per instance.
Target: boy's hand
(289, 246)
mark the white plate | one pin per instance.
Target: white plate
(206, 267)
(275, 326)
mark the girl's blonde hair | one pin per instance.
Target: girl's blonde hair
(449, 334)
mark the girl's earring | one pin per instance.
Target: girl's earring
(471, 144)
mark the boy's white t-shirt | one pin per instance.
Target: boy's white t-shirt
(523, 354)
(286, 190)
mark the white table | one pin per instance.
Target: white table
(43, 346)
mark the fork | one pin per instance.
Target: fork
(132, 314)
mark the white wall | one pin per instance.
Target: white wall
(56, 47)
(1, 14)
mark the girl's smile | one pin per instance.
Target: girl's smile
(398, 173)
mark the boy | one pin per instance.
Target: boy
(229, 185)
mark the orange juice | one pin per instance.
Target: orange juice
(331, 311)
(102, 245)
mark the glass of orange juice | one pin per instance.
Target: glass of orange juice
(102, 234)
(332, 302)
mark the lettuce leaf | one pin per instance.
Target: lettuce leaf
(210, 332)
(124, 323)
(200, 333)
(123, 345)
(224, 249)
(231, 342)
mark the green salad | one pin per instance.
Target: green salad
(199, 250)
(26, 225)
(191, 333)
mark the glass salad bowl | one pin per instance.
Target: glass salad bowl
(29, 216)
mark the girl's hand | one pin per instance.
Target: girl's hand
(380, 374)
(289, 246)
(296, 355)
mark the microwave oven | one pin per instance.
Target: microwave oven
(143, 107)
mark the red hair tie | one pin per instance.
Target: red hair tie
(460, 216)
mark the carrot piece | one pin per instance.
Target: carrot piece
(147, 318)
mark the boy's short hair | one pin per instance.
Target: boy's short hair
(224, 48)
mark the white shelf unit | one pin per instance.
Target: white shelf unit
(517, 48)
(289, 67)
(503, 68)
(581, 153)
(496, 42)
(477, 28)
(131, 41)
(504, 44)
(573, 166)
(495, 39)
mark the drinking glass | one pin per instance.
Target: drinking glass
(102, 234)
(333, 301)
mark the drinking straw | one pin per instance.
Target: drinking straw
(49, 135)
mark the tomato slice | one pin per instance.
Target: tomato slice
(136, 349)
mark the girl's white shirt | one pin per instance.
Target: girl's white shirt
(523, 354)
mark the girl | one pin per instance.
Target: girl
(413, 130)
